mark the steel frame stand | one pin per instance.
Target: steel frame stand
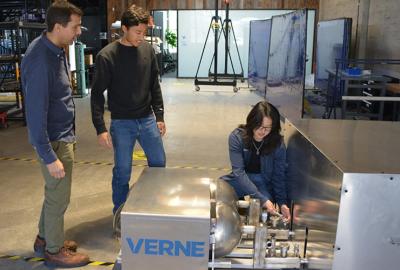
(213, 76)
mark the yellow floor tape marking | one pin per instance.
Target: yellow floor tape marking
(137, 155)
(39, 259)
(94, 263)
(36, 259)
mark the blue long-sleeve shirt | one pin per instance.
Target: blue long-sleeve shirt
(273, 170)
(49, 106)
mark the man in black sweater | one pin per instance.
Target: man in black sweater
(127, 69)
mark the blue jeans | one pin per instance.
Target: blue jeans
(124, 133)
(261, 184)
(257, 187)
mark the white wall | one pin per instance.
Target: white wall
(192, 31)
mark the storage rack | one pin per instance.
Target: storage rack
(337, 87)
(14, 40)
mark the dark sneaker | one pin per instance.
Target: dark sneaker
(65, 258)
(40, 246)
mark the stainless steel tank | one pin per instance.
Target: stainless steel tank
(228, 229)
(228, 226)
(225, 193)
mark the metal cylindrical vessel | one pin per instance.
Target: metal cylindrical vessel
(225, 193)
(228, 229)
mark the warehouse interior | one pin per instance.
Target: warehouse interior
(332, 68)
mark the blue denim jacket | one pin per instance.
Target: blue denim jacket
(273, 170)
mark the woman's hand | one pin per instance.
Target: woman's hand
(285, 212)
(270, 207)
(272, 210)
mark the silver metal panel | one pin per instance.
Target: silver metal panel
(174, 192)
(166, 221)
(314, 184)
(319, 264)
(154, 254)
(368, 235)
(345, 180)
(355, 146)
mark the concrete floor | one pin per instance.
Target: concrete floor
(198, 125)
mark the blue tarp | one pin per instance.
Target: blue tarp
(286, 65)
(260, 32)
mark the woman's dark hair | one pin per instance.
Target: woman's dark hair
(134, 16)
(255, 119)
(60, 12)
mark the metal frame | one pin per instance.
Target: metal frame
(215, 75)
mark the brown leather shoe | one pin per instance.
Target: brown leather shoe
(65, 258)
(71, 245)
(40, 245)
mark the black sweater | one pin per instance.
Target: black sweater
(130, 76)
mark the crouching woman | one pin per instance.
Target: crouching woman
(258, 158)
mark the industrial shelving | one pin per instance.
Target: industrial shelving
(14, 40)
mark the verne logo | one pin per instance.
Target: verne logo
(158, 247)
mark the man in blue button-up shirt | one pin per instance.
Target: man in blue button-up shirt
(50, 116)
